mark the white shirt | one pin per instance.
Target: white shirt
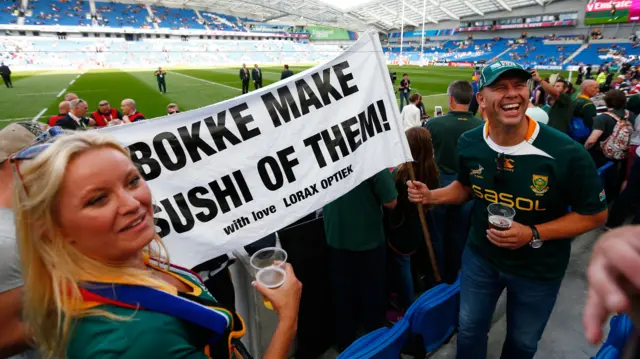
(10, 275)
(410, 116)
(538, 114)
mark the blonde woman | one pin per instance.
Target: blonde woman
(98, 283)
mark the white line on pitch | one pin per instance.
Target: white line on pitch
(37, 94)
(61, 92)
(39, 114)
(434, 95)
(15, 119)
(207, 81)
(72, 81)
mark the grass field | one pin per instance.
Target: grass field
(40, 92)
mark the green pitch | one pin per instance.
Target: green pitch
(38, 93)
(605, 17)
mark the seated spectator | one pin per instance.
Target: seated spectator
(172, 109)
(411, 113)
(63, 110)
(105, 114)
(130, 112)
(70, 96)
(108, 237)
(75, 119)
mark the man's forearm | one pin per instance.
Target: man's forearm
(549, 89)
(455, 193)
(282, 339)
(571, 225)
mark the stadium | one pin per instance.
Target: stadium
(319, 179)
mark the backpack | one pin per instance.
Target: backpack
(578, 130)
(616, 146)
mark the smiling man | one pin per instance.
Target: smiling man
(539, 172)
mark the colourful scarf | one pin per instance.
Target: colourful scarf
(222, 323)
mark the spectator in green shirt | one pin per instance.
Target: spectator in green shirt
(452, 221)
(562, 110)
(583, 106)
(539, 172)
(355, 234)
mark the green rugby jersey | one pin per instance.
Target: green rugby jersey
(543, 176)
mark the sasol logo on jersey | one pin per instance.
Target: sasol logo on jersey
(520, 203)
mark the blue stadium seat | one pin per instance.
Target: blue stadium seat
(383, 343)
(436, 315)
(608, 352)
(172, 18)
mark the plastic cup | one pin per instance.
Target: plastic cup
(500, 216)
(269, 264)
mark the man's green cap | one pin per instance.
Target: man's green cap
(493, 72)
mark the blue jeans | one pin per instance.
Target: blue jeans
(404, 99)
(402, 273)
(452, 222)
(357, 279)
(529, 305)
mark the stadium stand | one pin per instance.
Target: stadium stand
(119, 15)
(9, 12)
(40, 53)
(176, 19)
(67, 12)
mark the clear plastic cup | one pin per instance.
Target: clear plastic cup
(269, 264)
(500, 216)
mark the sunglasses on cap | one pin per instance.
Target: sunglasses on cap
(40, 143)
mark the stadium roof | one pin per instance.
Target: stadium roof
(359, 14)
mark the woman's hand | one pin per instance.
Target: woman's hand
(614, 278)
(286, 298)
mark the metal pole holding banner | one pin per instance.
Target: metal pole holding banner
(401, 34)
(425, 230)
(424, 14)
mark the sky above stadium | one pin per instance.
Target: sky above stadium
(345, 4)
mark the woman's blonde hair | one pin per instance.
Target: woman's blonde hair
(53, 268)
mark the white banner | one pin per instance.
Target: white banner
(228, 174)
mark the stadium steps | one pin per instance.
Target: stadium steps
(155, 24)
(498, 56)
(204, 23)
(572, 56)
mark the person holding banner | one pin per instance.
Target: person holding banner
(98, 280)
(404, 228)
(536, 173)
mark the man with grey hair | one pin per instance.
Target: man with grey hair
(130, 112)
(15, 336)
(75, 119)
(172, 109)
(453, 220)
